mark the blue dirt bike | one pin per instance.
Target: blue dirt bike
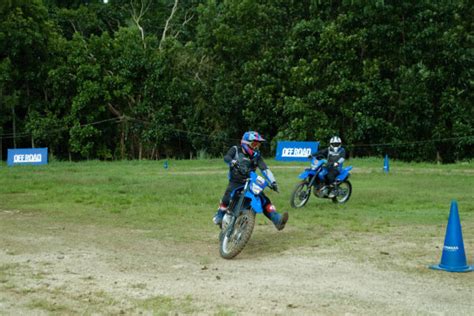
(313, 179)
(239, 221)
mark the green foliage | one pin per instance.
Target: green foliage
(139, 79)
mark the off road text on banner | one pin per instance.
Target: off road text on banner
(27, 156)
(295, 151)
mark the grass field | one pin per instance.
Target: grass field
(401, 215)
(179, 201)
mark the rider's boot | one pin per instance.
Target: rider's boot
(279, 220)
(282, 222)
(217, 219)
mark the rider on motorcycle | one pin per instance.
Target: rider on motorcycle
(248, 149)
(335, 155)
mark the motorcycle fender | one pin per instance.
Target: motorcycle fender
(306, 173)
(344, 174)
(255, 202)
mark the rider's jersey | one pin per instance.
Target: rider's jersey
(332, 156)
(237, 153)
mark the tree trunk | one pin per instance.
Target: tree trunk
(14, 126)
(140, 150)
(163, 35)
(29, 109)
(122, 141)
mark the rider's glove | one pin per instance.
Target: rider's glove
(336, 164)
(310, 156)
(233, 163)
(275, 187)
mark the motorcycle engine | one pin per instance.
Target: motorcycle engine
(321, 191)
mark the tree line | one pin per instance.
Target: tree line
(148, 79)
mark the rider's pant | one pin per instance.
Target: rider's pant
(269, 209)
(331, 175)
(230, 187)
(271, 213)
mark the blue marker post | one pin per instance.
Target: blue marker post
(386, 166)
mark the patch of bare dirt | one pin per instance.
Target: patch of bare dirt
(64, 268)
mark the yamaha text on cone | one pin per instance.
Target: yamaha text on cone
(454, 257)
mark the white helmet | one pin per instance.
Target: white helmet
(335, 143)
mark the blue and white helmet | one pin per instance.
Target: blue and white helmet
(335, 143)
(251, 142)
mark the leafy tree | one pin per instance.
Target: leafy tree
(149, 79)
(25, 55)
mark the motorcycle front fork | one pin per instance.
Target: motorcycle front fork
(313, 182)
(235, 209)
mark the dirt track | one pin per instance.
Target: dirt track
(68, 269)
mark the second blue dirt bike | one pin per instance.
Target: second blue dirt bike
(313, 180)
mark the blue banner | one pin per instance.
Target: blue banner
(295, 151)
(27, 156)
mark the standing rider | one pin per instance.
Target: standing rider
(335, 155)
(249, 149)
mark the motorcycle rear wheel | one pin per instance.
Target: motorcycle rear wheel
(344, 191)
(300, 195)
(230, 246)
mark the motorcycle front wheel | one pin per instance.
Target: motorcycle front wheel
(343, 192)
(300, 195)
(233, 242)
